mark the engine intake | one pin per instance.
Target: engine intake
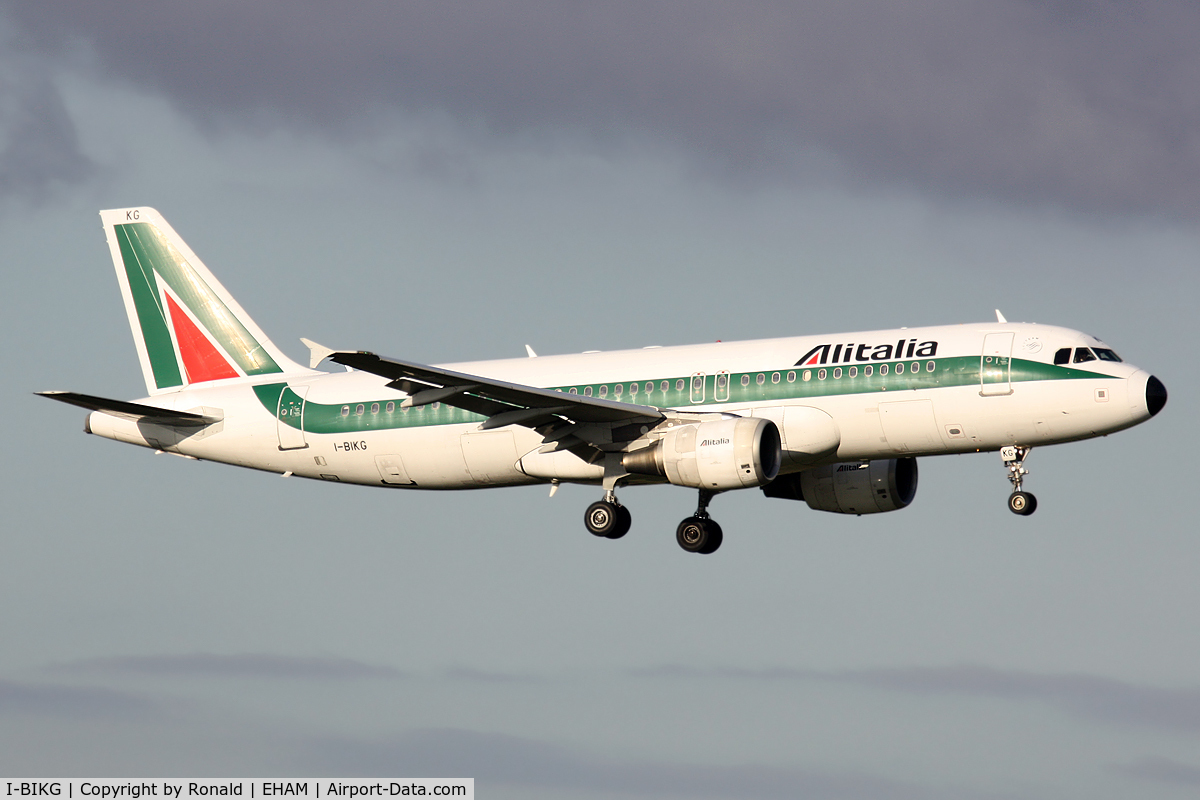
(722, 454)
(851, 488)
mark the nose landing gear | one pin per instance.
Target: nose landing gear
(1019, 502)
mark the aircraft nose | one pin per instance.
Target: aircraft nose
(1156, 395)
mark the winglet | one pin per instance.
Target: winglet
(529, 350)
(316, 352)
(1000, 317)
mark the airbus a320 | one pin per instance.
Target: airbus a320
(835, 421)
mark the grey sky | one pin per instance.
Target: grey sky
(452, 181)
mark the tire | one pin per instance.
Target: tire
(1022, 503)
(624, 520)
(715, 537)
(602, 518)
(693, 534)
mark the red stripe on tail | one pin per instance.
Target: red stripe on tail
(200, 358)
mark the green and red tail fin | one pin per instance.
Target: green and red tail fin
(187, 327)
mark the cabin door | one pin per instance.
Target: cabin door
(995, 364)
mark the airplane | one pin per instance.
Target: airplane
(836, 421)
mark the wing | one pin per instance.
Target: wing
(505, 403)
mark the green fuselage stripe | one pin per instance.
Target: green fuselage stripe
(368, 415)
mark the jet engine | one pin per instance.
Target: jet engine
(851, 488)
(722, 454)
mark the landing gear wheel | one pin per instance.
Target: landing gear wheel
(607, 520)
(601, 518)
(1022, 503)
(624, 520)
(715, 537)
(697, 535)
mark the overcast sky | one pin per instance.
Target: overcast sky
(452, 181)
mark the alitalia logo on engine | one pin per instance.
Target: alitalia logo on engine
(847, 353)
(713, 442)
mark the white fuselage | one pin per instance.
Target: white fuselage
(975, 387)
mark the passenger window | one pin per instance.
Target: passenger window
(808, 374)
(650, 387)
(915, 367)
(820, 374)
(390, 407)
(573, 390)
(853, 372)
(791, 377)
(374, 408)
(899, 369)
(633, 388)
(883, 369)
(1062, 356)
(345, 411)
(679, 385)
(722, 380)
(775, 377)
(837, 372)
(1105, 354)
(587, 391)
(620, 387)
(604, 391)
(761, 379)
(868, 370)
(745, 380)
(1083, 355)
(359, 409)
(930, 366)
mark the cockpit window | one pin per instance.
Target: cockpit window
(1082, 354)
(1063, 356)
(1105, 354)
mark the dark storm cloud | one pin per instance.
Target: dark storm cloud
(70, 701)
(514, 761)
(245, 665)
(1092, 105)
(39, 146)
(1087, 696)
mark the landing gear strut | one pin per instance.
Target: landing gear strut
(700, 533)
(608, 518)
(1019, 502)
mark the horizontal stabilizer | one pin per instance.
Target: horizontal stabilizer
(132, 411)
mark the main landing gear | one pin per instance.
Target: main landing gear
(608, 518)
(1019, 502)
(700, 533)
(697, 534)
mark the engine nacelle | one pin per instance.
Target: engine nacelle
(722, 454)
(852, 488)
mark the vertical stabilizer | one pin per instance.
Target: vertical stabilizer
(187, 327)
